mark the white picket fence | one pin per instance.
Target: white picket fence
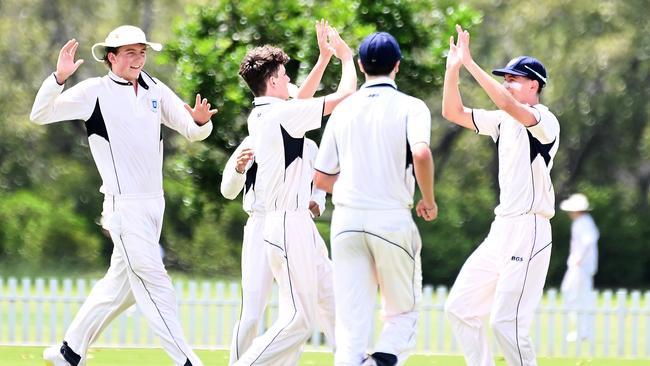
(37, 311)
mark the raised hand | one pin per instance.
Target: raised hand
(454, 59)
(463, 45)
(322, 30)
(341, 49)
(66, 65)
(201, 113)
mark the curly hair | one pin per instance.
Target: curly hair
(259, 64)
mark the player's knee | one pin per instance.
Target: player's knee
(452, 310)
(501, 328)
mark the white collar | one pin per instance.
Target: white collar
(264, 100)
(378, 81)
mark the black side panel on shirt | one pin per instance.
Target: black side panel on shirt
(251, 174)
(292, 147)
(95, 124)
(409, 156)
(537, 148)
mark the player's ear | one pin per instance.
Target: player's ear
(360, 66)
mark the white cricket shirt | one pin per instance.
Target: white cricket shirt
(584, 245)
(525, 160)
(232, 182)
(278, 130)
(124, 131)
(368, 142)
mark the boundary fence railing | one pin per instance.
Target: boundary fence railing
(37, 312)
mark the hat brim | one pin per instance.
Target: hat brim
(153, 45)
(503, 72)
(573, 207)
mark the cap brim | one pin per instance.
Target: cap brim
(502, 72)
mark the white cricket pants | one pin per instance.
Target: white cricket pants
(371, 249)
(256, 282)
(504, 277)
(298, 259)
(577, 287)
(136, 275)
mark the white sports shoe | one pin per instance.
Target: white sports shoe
(53, 357)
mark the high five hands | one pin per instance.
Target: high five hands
(322, 31)
(66, 65)
(333, 41)
(459, 53)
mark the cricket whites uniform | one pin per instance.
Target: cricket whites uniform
(256, 273)
(296, 254)
(375, 242)
(582, 265)
(505, 275)
(124, 134)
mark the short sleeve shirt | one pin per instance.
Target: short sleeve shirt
(368, 142)
(525, 160)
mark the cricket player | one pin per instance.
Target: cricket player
(278, 126)
(240, 173)
(582, 264)
(374, 148)
(124, 112)
(505, 275)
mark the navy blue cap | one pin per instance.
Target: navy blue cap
(527, 66)
(379, 49)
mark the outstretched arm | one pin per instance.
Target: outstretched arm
(452, 103)
(523, 113)
(52, 104)
(310, 85)
(348, 83)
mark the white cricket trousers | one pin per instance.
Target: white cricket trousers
(370, 249)
(298, 259)
(504, 278)
(256, 283)
(577, 287)
(136, 275)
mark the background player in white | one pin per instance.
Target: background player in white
(505, 275)
(123, 113)
(375, 146)
(278, 127)
(240, 173)
(582, 264)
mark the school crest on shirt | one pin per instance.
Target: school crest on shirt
(154, 105)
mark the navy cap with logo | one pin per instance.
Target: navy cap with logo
(379, 50)
(527, 66)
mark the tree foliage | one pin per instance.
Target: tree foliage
(597, 55)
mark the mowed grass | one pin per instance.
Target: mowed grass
(31, 356)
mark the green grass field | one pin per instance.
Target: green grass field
(31, 356)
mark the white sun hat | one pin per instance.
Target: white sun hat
(123, 35)
(575, 203)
